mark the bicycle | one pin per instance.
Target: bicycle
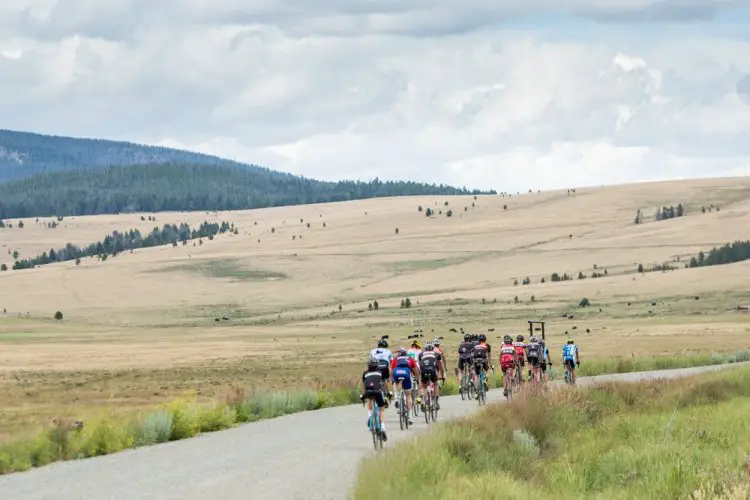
(568, 375)
(429, 404)
(467, 384)
(516, 381)
(481, 392)
(403, 413)
(414, 395)
(375, 426)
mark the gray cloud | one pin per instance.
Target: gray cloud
(416, 89)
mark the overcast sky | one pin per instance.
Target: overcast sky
(503, 94)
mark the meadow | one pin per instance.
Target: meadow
(680, 438)
(285, 304)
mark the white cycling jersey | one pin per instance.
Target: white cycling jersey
(383, 355)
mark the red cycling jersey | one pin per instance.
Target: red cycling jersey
(520, 349)
(412, 364)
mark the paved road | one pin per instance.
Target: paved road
(313, 455)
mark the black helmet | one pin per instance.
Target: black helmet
(508, 339)
(482, 337)
(372, 364)
(382, 343)
(519, 338)
(467, 337)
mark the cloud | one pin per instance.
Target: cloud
(478, 93)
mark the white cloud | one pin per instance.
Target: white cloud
(420, 89)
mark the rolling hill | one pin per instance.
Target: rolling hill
(47, 175)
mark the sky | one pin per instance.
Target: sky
(492, 94)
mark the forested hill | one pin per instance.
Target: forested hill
(23, 154)
(174, 187)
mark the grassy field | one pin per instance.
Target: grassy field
(685, 438)
(260, 309)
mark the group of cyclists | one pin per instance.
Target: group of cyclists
(386, 369)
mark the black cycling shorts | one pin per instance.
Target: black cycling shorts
(462, 362)
(378, 397)
(479, 363)
(429, 376)
(533, 361)
(385, 372)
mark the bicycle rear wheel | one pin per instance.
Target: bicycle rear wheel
(427, 405)
(401, 409)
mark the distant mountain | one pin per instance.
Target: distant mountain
(88, 177)
(23, 154)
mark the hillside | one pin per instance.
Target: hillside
(24, 154)
(178, 187)
(67, 176)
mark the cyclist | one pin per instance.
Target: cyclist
(384, 357)
(507, 361)
(414, 351)
(482, 357)
(429, 366)
(546, 360)
(464, 356)
(520, 352)
(441, 351)
(534, 355)
(402, 369)
(372, 383)
(570, 358)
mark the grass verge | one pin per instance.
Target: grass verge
(682, 438)
(186, 418)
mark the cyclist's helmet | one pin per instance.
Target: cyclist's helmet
(570, 341)
(429, 347)
(372, 364)
(382, 343)
(436, 342)
(401, 351)
(467, 337)
(508, 339)
(482, 337)
(519, 338)
(532, 339)
(416, 344)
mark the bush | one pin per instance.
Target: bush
(185, 419)
(584, 302)
(3, 267)
(155, 428)
(58, 316)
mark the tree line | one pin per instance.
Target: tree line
(118, 242)
(179, 187)
(726, 254)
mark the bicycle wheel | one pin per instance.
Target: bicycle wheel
(434, 410)
(401, 409)
(375, 425)
(427, 405)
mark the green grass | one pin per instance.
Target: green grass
(655, 439)
(186, 418)
(225, 268)
(180, 419)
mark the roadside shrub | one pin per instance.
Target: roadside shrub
(216, 417)
(155, 428)
(185, 419)
(58, 316)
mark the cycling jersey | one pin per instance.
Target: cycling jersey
(533, 350)
(465, 349)
(428, 361)
(507, 352)
(413, 353)
(403, 362)
(569, 352)
(481, 351)
(520, 348)
(372, 380)
(384, 356)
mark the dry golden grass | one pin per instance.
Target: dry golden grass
(141, 327)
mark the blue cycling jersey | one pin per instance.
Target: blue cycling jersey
(569, 351)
